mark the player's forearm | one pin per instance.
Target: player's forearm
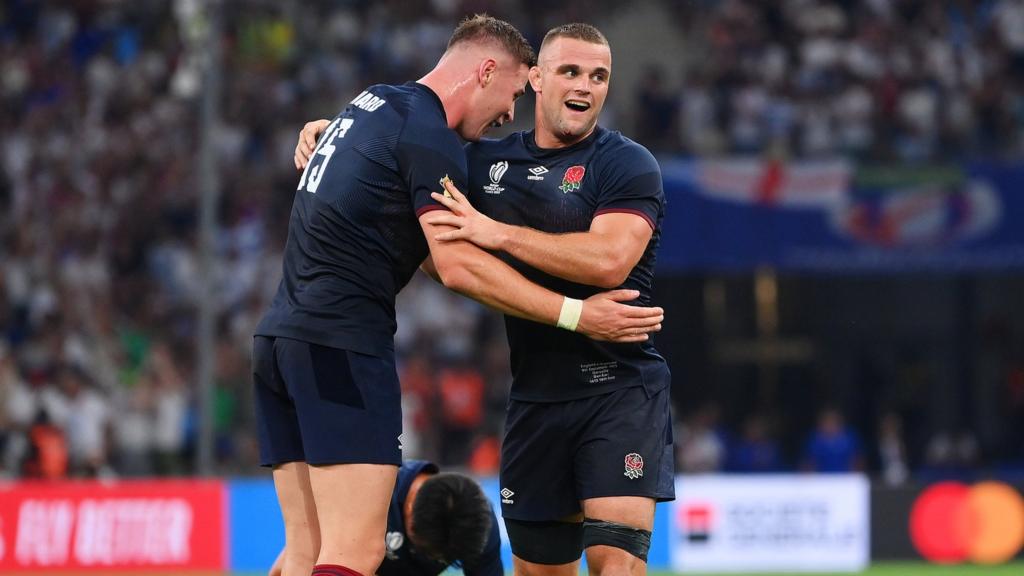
(482, 277)
(584, 257)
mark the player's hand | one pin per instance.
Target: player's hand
(604, 317)
(307, 141)
(469, 223)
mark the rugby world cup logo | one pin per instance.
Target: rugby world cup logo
(497, 170)
(571, 180)
(634, 466)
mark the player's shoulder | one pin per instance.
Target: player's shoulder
(488, 147)
(617, 150)
(414, 468)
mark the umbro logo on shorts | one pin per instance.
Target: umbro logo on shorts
(506, 496)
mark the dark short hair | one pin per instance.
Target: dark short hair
(576, 30)
(482, 28)
(451, 518)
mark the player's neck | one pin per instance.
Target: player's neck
(548, 140)
(452, 82)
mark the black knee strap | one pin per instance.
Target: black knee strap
(636, 541)
(545, 542)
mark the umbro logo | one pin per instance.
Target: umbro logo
(506, 496)
(497, 170)
(537, 173)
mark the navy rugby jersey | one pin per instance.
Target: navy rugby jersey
(354, 239)
(557, 191)
(401, 557)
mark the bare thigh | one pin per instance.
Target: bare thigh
(301, 528)
(352, 506)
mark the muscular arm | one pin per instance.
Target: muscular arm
(602, 256)
(472, 272)
(428, 268)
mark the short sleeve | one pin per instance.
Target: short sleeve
(631, 183)
(427, 152)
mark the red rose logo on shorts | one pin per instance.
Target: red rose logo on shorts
(571, 180)
(634, 466)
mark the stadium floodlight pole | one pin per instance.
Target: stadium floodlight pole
(209, 191)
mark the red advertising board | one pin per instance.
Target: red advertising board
(104, 527)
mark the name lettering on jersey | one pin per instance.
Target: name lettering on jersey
(367, 101)
(537, 173)
(498, 170)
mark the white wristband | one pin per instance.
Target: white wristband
(569, 317)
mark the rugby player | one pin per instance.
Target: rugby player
(327, 394)
(454, 525)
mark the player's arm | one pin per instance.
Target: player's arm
(428, 268)
(468, 270)
(307, 141)
(602, 256)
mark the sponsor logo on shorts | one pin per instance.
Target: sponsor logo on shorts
(634, 466)
(506, 496)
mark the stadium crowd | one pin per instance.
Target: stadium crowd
(98, 265)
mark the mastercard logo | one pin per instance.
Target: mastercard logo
(952, 522)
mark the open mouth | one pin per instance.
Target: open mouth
(577, 105)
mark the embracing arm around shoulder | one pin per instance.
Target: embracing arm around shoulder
(469, 270)
(602, 256)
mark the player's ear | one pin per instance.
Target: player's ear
(488, 69)
(535, 78)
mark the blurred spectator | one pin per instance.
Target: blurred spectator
(910, 81)
(655, 110)
(832, 446)
(756, 450)
(951, 454)
(892, 451)
(87, 420)
(462, 396)
(700, 447)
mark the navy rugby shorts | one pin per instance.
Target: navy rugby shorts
(325, 405)
(556, 454)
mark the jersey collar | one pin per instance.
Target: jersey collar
(433, 95)
(530, 141)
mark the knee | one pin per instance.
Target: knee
(615, 549)
(370, 557)
(609, 561)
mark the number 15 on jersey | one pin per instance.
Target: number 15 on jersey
(317, 165)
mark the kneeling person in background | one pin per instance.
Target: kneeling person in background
(436, 521)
